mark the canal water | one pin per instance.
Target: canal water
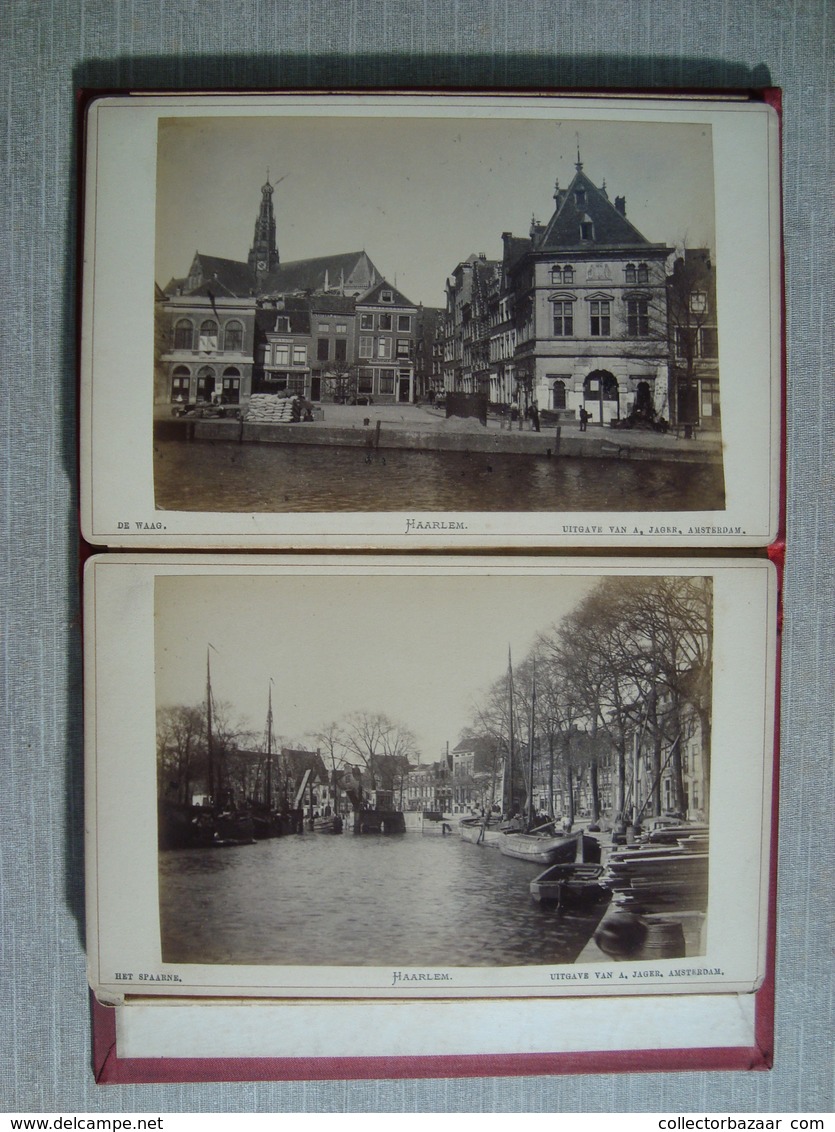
(415, 900)
(220, 476)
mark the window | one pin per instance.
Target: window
(208, 335)
(709, 342)
(386, 380)
(366, 322)
(384, 321)
(580, 198)
(563, 318)
(643, 273)
(233, 336)
(282, 324)
(300, 355)
(558, 394)
(281, 354)
(631, 273)
(637, 318)
(323, 351)
(710, 401)
(366, 346)
(180, 383)
(341, 328)
(698, 302)
(560, 274)
(386, 297)
(404, 322)
(340, 350)
(183, 335)
(403, 348)
(687, 343)
(323, 328)
(365, 381)
(586, 228)
(384, 347)
(599, 318)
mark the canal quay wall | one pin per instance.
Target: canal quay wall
(378, 428)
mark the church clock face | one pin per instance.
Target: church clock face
(262, 263)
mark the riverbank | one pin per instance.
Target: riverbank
(422, 428)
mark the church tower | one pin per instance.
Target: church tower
(263, 255)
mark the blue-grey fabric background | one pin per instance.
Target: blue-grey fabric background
(50, 48)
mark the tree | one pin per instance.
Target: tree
(181, 752)
(379, 745)
(339, 381)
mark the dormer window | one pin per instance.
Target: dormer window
(386, 297)
(580, 198)
(282, 324)
(586, 227)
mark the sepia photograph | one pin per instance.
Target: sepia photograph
(428, 776)
(376, 772)
(452, 314)
(443, 320)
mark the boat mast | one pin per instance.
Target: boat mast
(531, 732)
(507, 775)
(268, 783)
(209, 743)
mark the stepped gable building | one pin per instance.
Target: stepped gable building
(589, 307)
(466, 330)
(214, 324)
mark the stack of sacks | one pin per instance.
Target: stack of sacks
(270, 408)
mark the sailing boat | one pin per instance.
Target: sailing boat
(542, 844)
(266, 821)
(223, 824)
(488, 828)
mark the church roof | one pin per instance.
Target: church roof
(349, 269)
(584, 201)
(225, 277)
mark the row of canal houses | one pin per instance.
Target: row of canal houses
(330, 328)
(583, 313)
(576, 776)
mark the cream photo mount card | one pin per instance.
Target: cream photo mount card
(428, 777)
(413, 320)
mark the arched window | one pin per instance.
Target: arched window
(180, 384)
(208, 335)
(183, 334)
(233, 336)
(643, 273)
(558, 395)
(568, 274)
(631, 275)
(556, 274)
